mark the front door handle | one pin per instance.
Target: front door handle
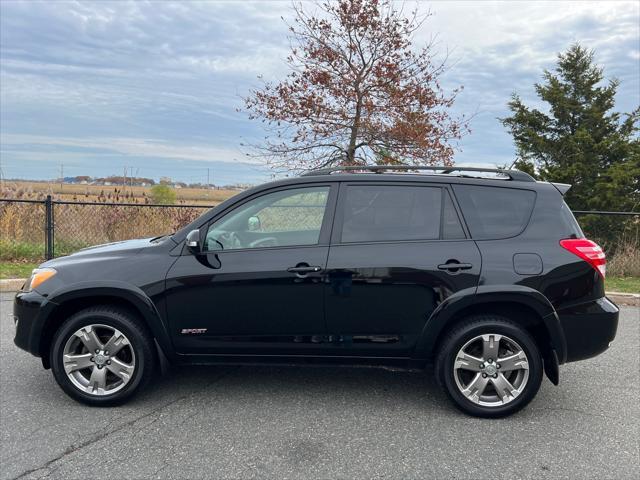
(454, 266)
(304, 269)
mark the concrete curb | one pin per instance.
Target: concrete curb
(11, 284)
(632, 299)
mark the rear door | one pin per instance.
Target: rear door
(397, 252)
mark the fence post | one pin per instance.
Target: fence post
(48, 228)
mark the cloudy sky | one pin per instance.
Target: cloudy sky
(154, 86)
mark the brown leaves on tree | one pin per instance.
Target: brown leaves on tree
(358, 93)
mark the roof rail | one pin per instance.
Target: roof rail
(515, 175)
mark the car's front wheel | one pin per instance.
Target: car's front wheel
(101, 356)
(489, 366)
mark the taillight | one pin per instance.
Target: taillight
(589, 251)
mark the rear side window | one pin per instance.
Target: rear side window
(374, 213)
(494, 212)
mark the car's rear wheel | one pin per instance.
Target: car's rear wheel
(489, 366)
(102, 356)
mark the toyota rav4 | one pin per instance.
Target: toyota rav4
(484, 274)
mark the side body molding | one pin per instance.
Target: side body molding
(122, 290)
(450, 309)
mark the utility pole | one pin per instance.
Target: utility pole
(124, 179)
(61, 176)
(208, 184)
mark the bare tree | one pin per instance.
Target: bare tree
(357, 92)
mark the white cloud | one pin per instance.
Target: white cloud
(135, 147)
(164, 79)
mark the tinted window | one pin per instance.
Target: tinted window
(494, 212)
(389, 213)
(284, 218)
(451, 226)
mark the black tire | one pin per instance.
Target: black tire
(140, 343)
(465, 332)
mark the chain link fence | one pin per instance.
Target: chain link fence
(34, 230)
(22, 230)
(618, 233)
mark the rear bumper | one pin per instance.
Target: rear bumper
(30, 309)
(588, 328)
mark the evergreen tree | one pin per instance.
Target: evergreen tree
(579, 139)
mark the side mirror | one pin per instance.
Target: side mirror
(193, 241)
(253, 224)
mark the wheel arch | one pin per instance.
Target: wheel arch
(66, 303)
(523, 305)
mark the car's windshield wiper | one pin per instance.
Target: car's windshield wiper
(155, 239)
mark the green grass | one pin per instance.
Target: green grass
(16, 270)
(15, 251)
(622, 284)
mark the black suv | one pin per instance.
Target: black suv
(486, 275)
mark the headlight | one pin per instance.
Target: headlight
(38, 277)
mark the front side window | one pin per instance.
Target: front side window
(278, 219)
(374, 213)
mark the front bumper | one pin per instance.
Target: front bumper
(30, 310)
(589, 328)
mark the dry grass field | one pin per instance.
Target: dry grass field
(92, 193)
(81, 225)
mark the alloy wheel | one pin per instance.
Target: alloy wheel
(491, 370)
(99, 359)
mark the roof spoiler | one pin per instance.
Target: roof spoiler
(561, 187)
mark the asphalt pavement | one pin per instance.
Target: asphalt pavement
(317, 422)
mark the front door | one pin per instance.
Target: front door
(397, 252)
(257, 289)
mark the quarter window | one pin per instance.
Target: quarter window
(495, 212)
(391, 213)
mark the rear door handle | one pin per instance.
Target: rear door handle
(304, 269)
(454, 266)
